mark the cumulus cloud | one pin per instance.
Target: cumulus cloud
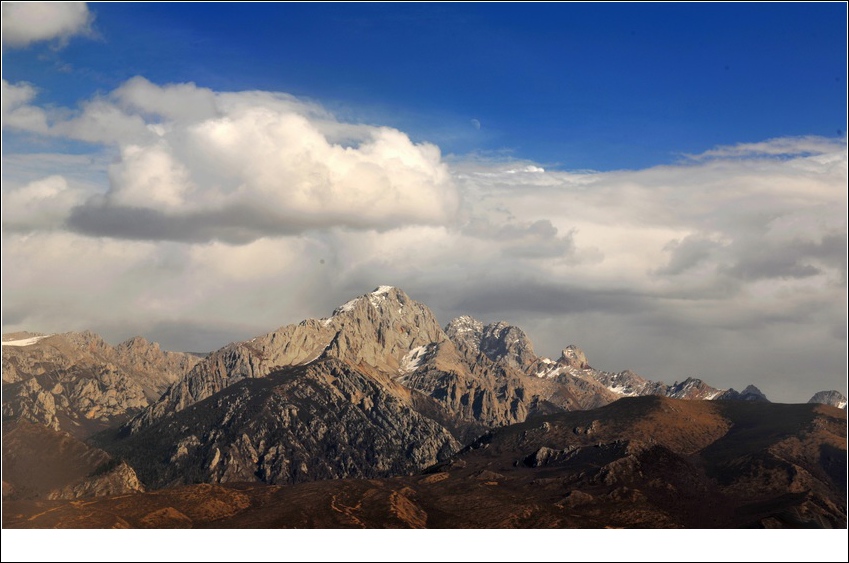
(29, 22)
(39, 205)
(197, 165)
(16, 111)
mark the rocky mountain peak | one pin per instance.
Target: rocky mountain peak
(833, 398)
(374, 332)
(573, 356)
(509, 344)
(750, 393)
(464, 325)
(500, 342)
(383, 299)
(138, 343)
(380, 328)
(83, 340)
(465, 332)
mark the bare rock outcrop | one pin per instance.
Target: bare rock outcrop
(325, 420)
(78, 383)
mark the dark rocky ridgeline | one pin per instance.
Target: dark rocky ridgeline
(750, 393)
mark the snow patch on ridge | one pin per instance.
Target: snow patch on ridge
(413, 360)
(349, 306)
(548, 372)
(621, 390)
(378, 295)
(25, 341)
(383, 289)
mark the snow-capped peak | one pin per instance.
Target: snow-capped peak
(382, 290)
(465, 323)
(377, 296)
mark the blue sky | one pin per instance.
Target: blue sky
(575, 86)
(663, 185)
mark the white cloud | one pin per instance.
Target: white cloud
(16, 111)
(149, 177)
(254, 163)
(102, 122)
(183, 102)
(42, 204)
(29, 22)
(784, 147)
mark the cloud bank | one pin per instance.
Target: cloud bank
(203, 217)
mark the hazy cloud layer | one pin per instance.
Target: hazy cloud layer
(240, 212)
(29, 22)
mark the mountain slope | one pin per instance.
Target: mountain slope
(78, 383)
(372, 332)
(326, 420)
(643, 462)
(39, 462)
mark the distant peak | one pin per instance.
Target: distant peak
(382, 289)
(574, 357)
(464, 323)
(833, 398)
(752, 390)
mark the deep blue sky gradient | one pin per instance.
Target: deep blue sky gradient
(576, 86)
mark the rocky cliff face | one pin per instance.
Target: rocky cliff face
(325, 420)
(78, 383)
(480, 395)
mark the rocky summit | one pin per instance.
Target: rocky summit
(833, 398)
(380, 396)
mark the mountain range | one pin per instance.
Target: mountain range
(380, 391)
